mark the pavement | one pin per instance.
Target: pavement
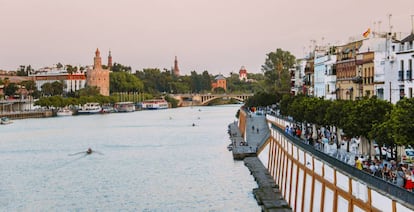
(257, 132)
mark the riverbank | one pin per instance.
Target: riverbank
(253, 127)
(28, 114)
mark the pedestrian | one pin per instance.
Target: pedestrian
(257, 130)
(358, 163)
(400, 176)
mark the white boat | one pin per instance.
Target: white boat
(5, 120)
(64, 112)
(90, 108)
(124, 107)
(154, 104)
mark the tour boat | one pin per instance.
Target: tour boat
(90, 108)
(154, 104)
(64, 112)
(5, 120)
(125, 106)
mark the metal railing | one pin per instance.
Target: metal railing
(378, 184)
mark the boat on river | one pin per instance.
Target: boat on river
(90, 108)
(5, 120)
(125, 106)
(64, 112)
(154, 104)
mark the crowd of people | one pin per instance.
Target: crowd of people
(325, 140)
(400, 174)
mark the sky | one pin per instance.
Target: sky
(219, 36)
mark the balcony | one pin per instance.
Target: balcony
(400, 75)
(409, 75)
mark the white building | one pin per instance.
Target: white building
(298, 74)
(404, 65)
(71, 81)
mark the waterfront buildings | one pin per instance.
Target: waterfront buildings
(404, 59)
(72, 80)
(377, 64)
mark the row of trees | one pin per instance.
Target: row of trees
(371, 118)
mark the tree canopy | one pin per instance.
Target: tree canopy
(276, 70)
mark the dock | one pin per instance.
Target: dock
(27, 114)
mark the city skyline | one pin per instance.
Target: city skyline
(217, 36)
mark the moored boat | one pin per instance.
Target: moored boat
(5, 120)
(90, 108)
(154, 104)
(64, 112)
(124, 106)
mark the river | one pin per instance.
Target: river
(145, 161)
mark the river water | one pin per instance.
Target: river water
(150, 161)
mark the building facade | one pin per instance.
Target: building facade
(71, 81)
(404, 59)
(219, 82)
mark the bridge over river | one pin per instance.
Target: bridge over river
(204, 99)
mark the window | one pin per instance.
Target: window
(410, 92)
(402, 65)
(380, 93)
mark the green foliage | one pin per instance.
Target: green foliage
(52, 89)
(276, 70)
(402, 122)
(125, 82)
(11, 89)
(87, 91)
(116, 67)
(172, 101)
(219, 90)
(262, 99)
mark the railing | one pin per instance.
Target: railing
(400, 75)
(409, 75)
(373, 182)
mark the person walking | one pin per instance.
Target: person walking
(400, 176)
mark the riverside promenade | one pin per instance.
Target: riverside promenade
(257, 132)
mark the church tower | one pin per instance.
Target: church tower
(109, 60)
(176, 70)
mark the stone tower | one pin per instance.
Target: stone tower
(98, 76)
(176, 70)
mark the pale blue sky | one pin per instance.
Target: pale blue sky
(215, 35)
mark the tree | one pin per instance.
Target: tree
(125, 82)
(23, 70)
(10, 89)
(117, 67)
(276, 70)
(402, 120)
(87, 91)
(59, 65)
